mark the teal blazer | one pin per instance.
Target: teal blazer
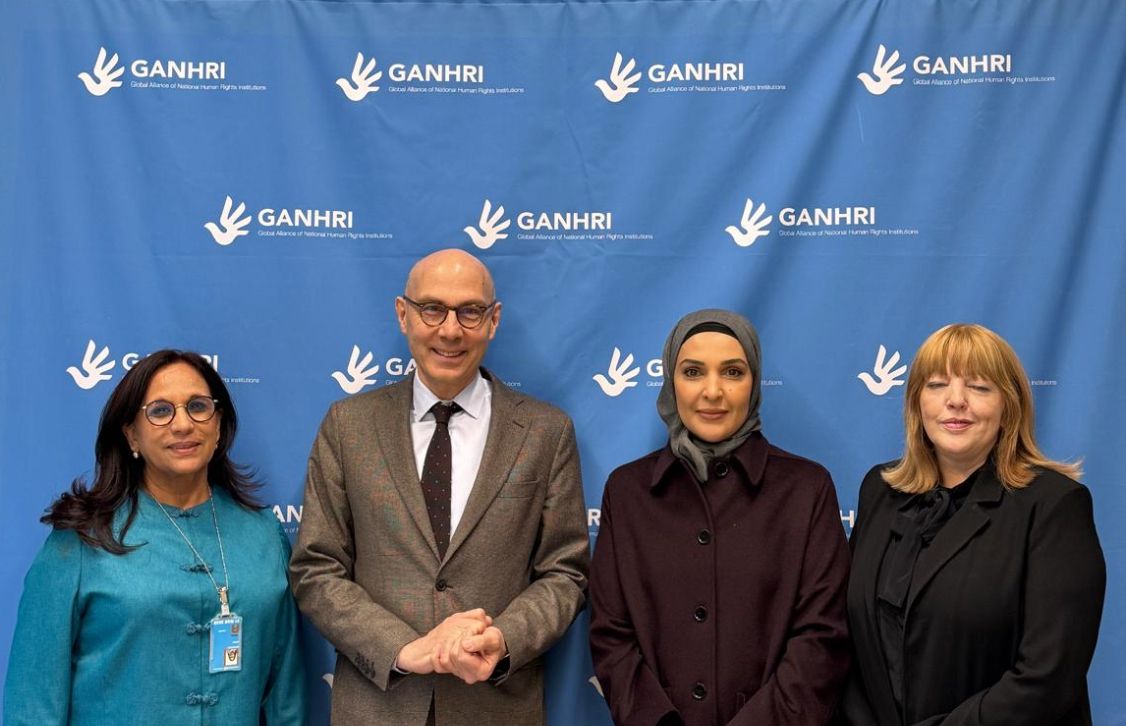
(123, 639)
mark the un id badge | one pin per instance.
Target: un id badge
(226, 644)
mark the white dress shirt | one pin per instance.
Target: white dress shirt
(469, 429)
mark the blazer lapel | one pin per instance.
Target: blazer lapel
(971, 519)
(393, 425)
(507, 429)
(880, 529)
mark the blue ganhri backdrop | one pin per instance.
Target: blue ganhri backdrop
(253, 180)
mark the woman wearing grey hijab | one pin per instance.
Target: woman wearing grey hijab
(717, 587)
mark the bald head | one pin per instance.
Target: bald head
(448, 354)
(450, 264)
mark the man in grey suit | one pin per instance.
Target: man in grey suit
(442, 548)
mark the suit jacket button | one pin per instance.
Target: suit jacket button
(699, 692)
(704, 537)
(440, 585)
(721, 469)
(700, 613)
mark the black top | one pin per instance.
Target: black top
(914, 527)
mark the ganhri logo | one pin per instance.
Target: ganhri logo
(621, 372)
(364, 76)
(490, 227)
(105, 73)
(358, 375)
(538, 225)
(360, 372)
(232, 224)
(885, 377)
(95, 367)
(754, 225)
(363, 79)
(886, 74)
(623, 81)
(619, 376)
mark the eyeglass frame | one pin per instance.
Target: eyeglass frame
(177, 406)
(483, 309)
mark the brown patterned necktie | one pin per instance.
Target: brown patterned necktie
(436, 473)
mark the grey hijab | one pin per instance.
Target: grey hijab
(696, 453)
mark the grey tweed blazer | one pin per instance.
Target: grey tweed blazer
(366, 570)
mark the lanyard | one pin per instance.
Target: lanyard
(224, 591)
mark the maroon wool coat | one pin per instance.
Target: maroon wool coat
(724, 602)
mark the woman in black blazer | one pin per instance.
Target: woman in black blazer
(977, 577)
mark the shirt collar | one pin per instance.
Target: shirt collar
(473, 399)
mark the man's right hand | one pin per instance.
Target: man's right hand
(425, 654)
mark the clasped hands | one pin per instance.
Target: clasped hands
(465, 645)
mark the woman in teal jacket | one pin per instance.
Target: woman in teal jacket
(161, 596)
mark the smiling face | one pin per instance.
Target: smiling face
(712, 382)
(447, 356)
(175, 456)
(962, 419)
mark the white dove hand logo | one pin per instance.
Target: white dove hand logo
(885, 378)
(328, 678)
(622, 80)
(232, 227)
(885, 74)
(754, 226)
(363, 78)
(620, 375)
(359, 376)
(105, 76)
(593, 680)
(489, 230)
(93, 369)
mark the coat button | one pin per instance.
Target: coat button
(440, 585)
(699, 692)
(704, 537)
(721, 469)
(700, 613)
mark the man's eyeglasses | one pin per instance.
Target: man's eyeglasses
(468, 316)
(201, 409)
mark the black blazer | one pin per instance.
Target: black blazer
(1003, 611)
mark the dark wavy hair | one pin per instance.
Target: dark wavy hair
(118, 476)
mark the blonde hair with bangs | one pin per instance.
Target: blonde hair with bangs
(972, 351)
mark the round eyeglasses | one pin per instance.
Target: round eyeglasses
(201, 409)
(468, 316)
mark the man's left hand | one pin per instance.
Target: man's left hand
(477, 656)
